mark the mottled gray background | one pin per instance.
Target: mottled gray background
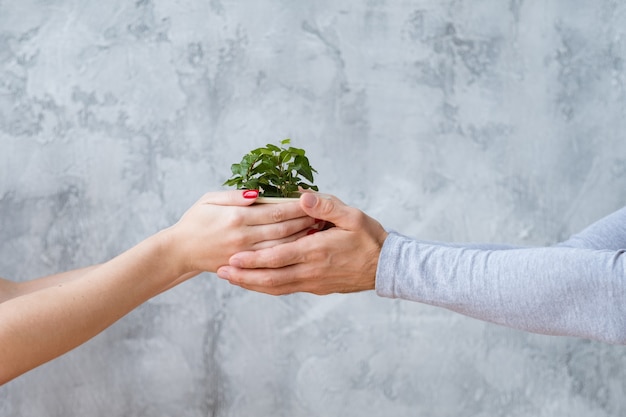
(485, 120)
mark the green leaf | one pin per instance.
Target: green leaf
(284, 157)
(249, 159)
(308, 186)
(268, 168)
(236, 169)
(233, 181)
(297, 151)
(265, 151)
(306, 173)
(304, 168)
(251, 184)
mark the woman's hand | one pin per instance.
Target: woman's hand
(223, 223)
(45, 318)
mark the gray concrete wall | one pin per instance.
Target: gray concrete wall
(485, 120)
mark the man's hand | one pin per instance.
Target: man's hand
(341, 259)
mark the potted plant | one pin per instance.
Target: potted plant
(279, 172)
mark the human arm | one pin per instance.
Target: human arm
(42, 319)
(571, 289)
(575, 288)
(11, 289)
(555, 290)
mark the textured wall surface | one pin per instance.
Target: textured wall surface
(484, 120)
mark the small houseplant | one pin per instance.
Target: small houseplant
(278, 172)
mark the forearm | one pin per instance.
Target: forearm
(40, 325)
(46, 319)
(23, 288)
(561, 291)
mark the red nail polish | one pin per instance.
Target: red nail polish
(251, 194)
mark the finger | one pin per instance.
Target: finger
(282, 290)
(282, 281)
(326, 207)
(274, 231)
(257, 278)
(273, 213)
(266, 244)
(275, 257)
(230, 197)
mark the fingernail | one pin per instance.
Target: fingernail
(312, 232)
(308, 200)
(223, 273)
(251, 194)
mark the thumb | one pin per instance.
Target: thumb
(325, 207)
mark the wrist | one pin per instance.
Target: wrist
(380, 239)
(169, 253)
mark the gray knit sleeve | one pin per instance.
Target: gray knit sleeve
(571, 289)
(607, 233)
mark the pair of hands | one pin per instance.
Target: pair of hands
(280, 248)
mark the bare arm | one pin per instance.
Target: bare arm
(10, 289)
(45, 318)
(43, 324)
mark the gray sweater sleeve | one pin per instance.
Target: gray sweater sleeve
(574, 288)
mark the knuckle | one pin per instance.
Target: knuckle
(239, 240)
(356, 218)
(273, 260)
(327, 207)
(236, 218)
(359, 216)
(268, 281)
(278, 214)
(320, 258)
(283, 229)
(270, 258)
(235, 279)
